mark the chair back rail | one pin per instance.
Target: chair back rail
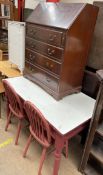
(14, 102)
(39, 127)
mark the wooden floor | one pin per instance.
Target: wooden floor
(12, 162)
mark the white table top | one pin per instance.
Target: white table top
(66, 114)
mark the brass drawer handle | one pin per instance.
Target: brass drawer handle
(48, 79)
(52, 37)
(33, 46)
(51, 52)
(31, 69)
(30, 31)
(34, 56)
(48, 65)
(33, 32)
(51, 66)
(31, 56)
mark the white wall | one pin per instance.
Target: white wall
(82, 1)
(29, 3)
(32, 3)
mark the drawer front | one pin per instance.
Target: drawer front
(42, 76)
(45, 49)
(43, 34)
(43, 61)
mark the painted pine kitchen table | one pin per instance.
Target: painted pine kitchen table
(66, 117)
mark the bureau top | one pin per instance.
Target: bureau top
(59, 15)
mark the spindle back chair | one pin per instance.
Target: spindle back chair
(39, 129)
(14, 106)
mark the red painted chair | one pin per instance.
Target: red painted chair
(14, 106)
(39, 130)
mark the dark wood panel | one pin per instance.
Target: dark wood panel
(100, 130)
(52, 37)
(96, 52)
(41, 75)
(90, 84)
(44, 62)
(90, 170)
(46, 49)
(97, 150)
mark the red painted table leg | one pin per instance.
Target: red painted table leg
(59, 144)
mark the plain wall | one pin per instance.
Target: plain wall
(81, 1)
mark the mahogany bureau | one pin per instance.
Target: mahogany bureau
(58, 38)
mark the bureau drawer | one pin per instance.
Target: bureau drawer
(43, 34)
(42, 76)
(46, 49)
(43, 61)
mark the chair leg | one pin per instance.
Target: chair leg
(27, 145)
(8, 121)
(18, 131)
(7, 109)
(42, 160)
